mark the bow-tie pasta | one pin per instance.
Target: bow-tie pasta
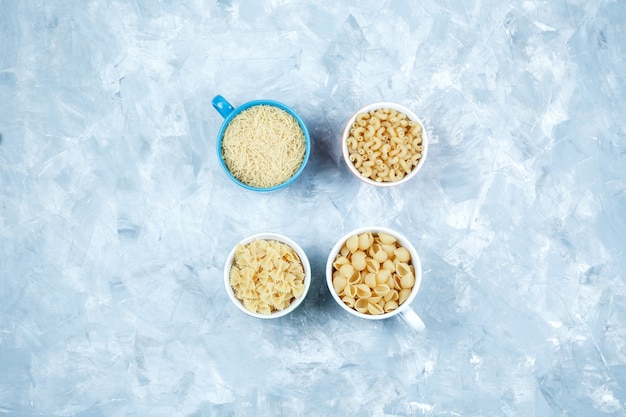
(266, 276)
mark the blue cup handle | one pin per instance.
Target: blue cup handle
(222, 106)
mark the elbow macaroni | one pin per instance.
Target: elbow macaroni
(396, 139)
(373, 273)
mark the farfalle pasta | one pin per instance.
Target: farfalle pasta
(266, 276)
(373, 273)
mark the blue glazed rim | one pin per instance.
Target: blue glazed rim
(228, 112)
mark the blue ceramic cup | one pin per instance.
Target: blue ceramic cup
(228, 112)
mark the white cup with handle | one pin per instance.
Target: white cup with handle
(337, 275)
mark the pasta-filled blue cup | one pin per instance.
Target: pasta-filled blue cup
(262, 145)
(375, 273)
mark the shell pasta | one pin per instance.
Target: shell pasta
(373, 273)
(266, 276)
(384, 144)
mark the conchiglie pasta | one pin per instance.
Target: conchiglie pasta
(389, 265)
(350, 291)
(373, 273)
(392, 295)
(390, 306)
(381, 289)
(361, 305)
(355, 278)
(402, 254)
(339, 283)
(374, 309)
(370, 280)
(365, 240)
(407, 281)
(403, 269)
(363, 291)
(358, 260)
(346, 270)
(349, 301)
(386, 239)
(372, 265)
(403, 295)
(382, 276)
(389, 248)
(352, 244)
(380, 256)
(340, 261)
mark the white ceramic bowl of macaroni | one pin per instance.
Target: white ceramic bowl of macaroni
(274, 237)
(403, 309)
(346, 134)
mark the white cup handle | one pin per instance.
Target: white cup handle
(411, 318)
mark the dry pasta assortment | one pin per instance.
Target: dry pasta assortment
(384, 144)
(373, 273)
(266, 276)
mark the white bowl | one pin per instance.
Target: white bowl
(346, 133)
(402, 240)
(279, 238)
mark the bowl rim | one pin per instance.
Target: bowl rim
(245, 106)
(415, 259)
(379, 105)
(268, 236)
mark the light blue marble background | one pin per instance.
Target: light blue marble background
(116, 219)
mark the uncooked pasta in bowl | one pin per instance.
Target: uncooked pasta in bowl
(262, 145)
(267, 275)
(384, 144)
(374, 272)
